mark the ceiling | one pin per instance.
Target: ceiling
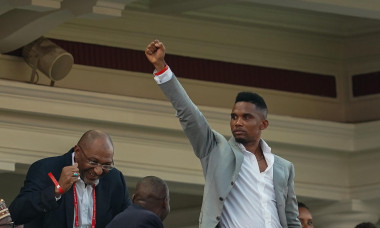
(23, 21)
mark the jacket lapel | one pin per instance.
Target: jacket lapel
(69, 195)
(239, 157)
(278, 181)
(69, 205)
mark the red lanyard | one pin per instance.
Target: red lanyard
(93, 207)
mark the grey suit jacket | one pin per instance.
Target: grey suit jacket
(221, 162)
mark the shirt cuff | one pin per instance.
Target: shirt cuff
(164, 76)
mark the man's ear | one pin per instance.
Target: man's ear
(165, 203)
(133, 198)
(264, 124)
(76, 152)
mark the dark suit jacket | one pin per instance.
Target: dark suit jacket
(36, 206)
(136, 216)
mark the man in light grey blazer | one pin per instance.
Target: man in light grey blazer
(245, 184)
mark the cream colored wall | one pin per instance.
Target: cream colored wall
(310, 46)
(303, 45)
(39, 121)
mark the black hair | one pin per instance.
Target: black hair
(152, 193)
(366, 225)
(253, 98)
(302, 205)
(158, 186)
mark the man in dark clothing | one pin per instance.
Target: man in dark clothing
(150, 206)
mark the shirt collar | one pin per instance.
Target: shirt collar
(264, 146)
(267, 152)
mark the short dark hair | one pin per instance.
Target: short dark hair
(253, 98)
(151, 188)
(366, 225)
(151, 193)
(302, 205)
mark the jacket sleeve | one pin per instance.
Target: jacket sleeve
(126, 200)
(36, 196)
(291, 205)
(192, 120)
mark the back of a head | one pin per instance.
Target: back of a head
(152, 193)
(253, 98)
(366, 225)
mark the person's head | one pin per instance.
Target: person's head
(366, 225)
(152, 193)
(248, 117)
(305, 216)
(94, 155)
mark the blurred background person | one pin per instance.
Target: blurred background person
(150, 206)
(366, 225)
(5, 216)
(305, 216)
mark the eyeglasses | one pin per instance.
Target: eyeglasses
(106, 167)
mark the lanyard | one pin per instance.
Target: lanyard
(93, 207)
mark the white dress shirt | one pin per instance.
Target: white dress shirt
(251, 202)
(85, 203)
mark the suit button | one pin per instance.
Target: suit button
(232, 183)
(220, 198)
(218, 218)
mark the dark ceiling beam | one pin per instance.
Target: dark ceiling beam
(182, 6)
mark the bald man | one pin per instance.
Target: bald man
(81, 188)
(150, 206)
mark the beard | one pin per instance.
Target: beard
(88, 172)
(241, 140)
